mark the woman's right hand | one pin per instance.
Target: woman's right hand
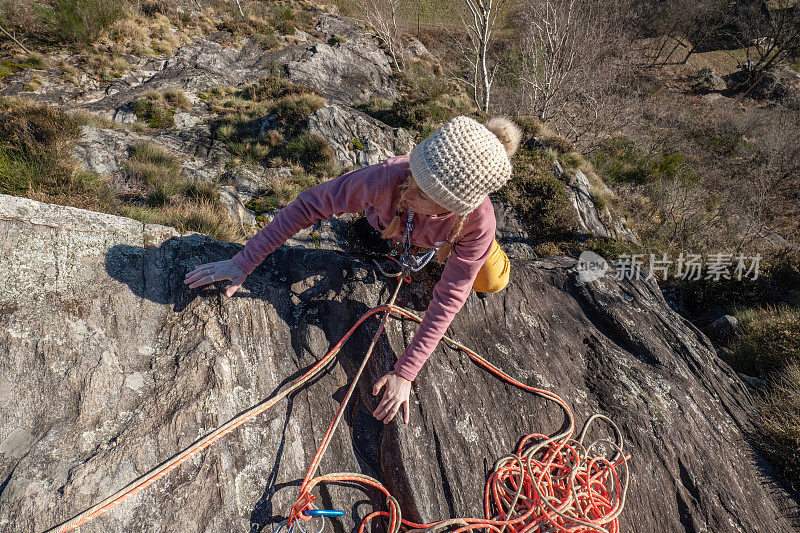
(211, 272)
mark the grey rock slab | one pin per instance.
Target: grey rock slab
(347, 72)
(609, 346)
(587, 213)
(340, 126)
(233, 203)
(331, 24)
(116, 366)
(105, 151)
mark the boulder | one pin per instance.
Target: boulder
(707, 80)
(110, 365)
(725, 329)
(358, 139)
(230, 200)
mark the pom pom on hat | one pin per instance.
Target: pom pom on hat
(463, 161)
(509, 133)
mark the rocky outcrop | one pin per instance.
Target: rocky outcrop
(105, 151)
(356, 68)
(109, 365)
(594, 221)
(340, 60)
(358, 139)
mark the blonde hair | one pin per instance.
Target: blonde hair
(445, 249)
(394, 227)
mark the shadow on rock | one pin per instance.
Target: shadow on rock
(313, 294)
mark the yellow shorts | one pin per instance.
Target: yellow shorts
(493, 275)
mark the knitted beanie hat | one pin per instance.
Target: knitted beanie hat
(463, 161)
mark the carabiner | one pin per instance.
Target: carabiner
(420, 262)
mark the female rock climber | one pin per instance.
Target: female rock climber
(443, 185)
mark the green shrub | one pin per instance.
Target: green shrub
(267, 40)
(225, 131)
(281, 191)
(286, 27)
(177, 98)
(81, 21)
(532, 126)
(35, 61)
(159, 169)
(275, 88)
(202, 216)
(725, 139)
(425, 104)
(240, 133)
(539, 197)
(295, 108)
(770, 339)
(36, 162)
(19, 173)
(283, 13)
(622, 160)
(599, 200)
(153, 109)
(291, 103)
(200, 190)
(572, 160)
(559, 144)
(770, 347)
(777, 284)
(611, 249)
(309, 149)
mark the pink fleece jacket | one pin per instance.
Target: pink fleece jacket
(375, 190)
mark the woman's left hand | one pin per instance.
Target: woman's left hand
(396, 395)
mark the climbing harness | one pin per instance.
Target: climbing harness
(549, 484)
(407, 262)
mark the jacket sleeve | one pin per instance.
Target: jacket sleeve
(449, 293)
(349, 193)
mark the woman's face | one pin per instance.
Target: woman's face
(421, 202)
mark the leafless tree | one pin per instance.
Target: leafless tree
(479, 26)
(239, 5)
(768, 196)
(384, 18)
(685, 213)
(573, 55)
(768, 36)
(551, 49)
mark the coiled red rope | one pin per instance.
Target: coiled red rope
(550, 484)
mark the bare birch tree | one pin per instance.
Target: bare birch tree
(483, 15)
(551, 48)
(384, 18)
(571, 55)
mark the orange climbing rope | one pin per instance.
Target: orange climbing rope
(549, 484)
